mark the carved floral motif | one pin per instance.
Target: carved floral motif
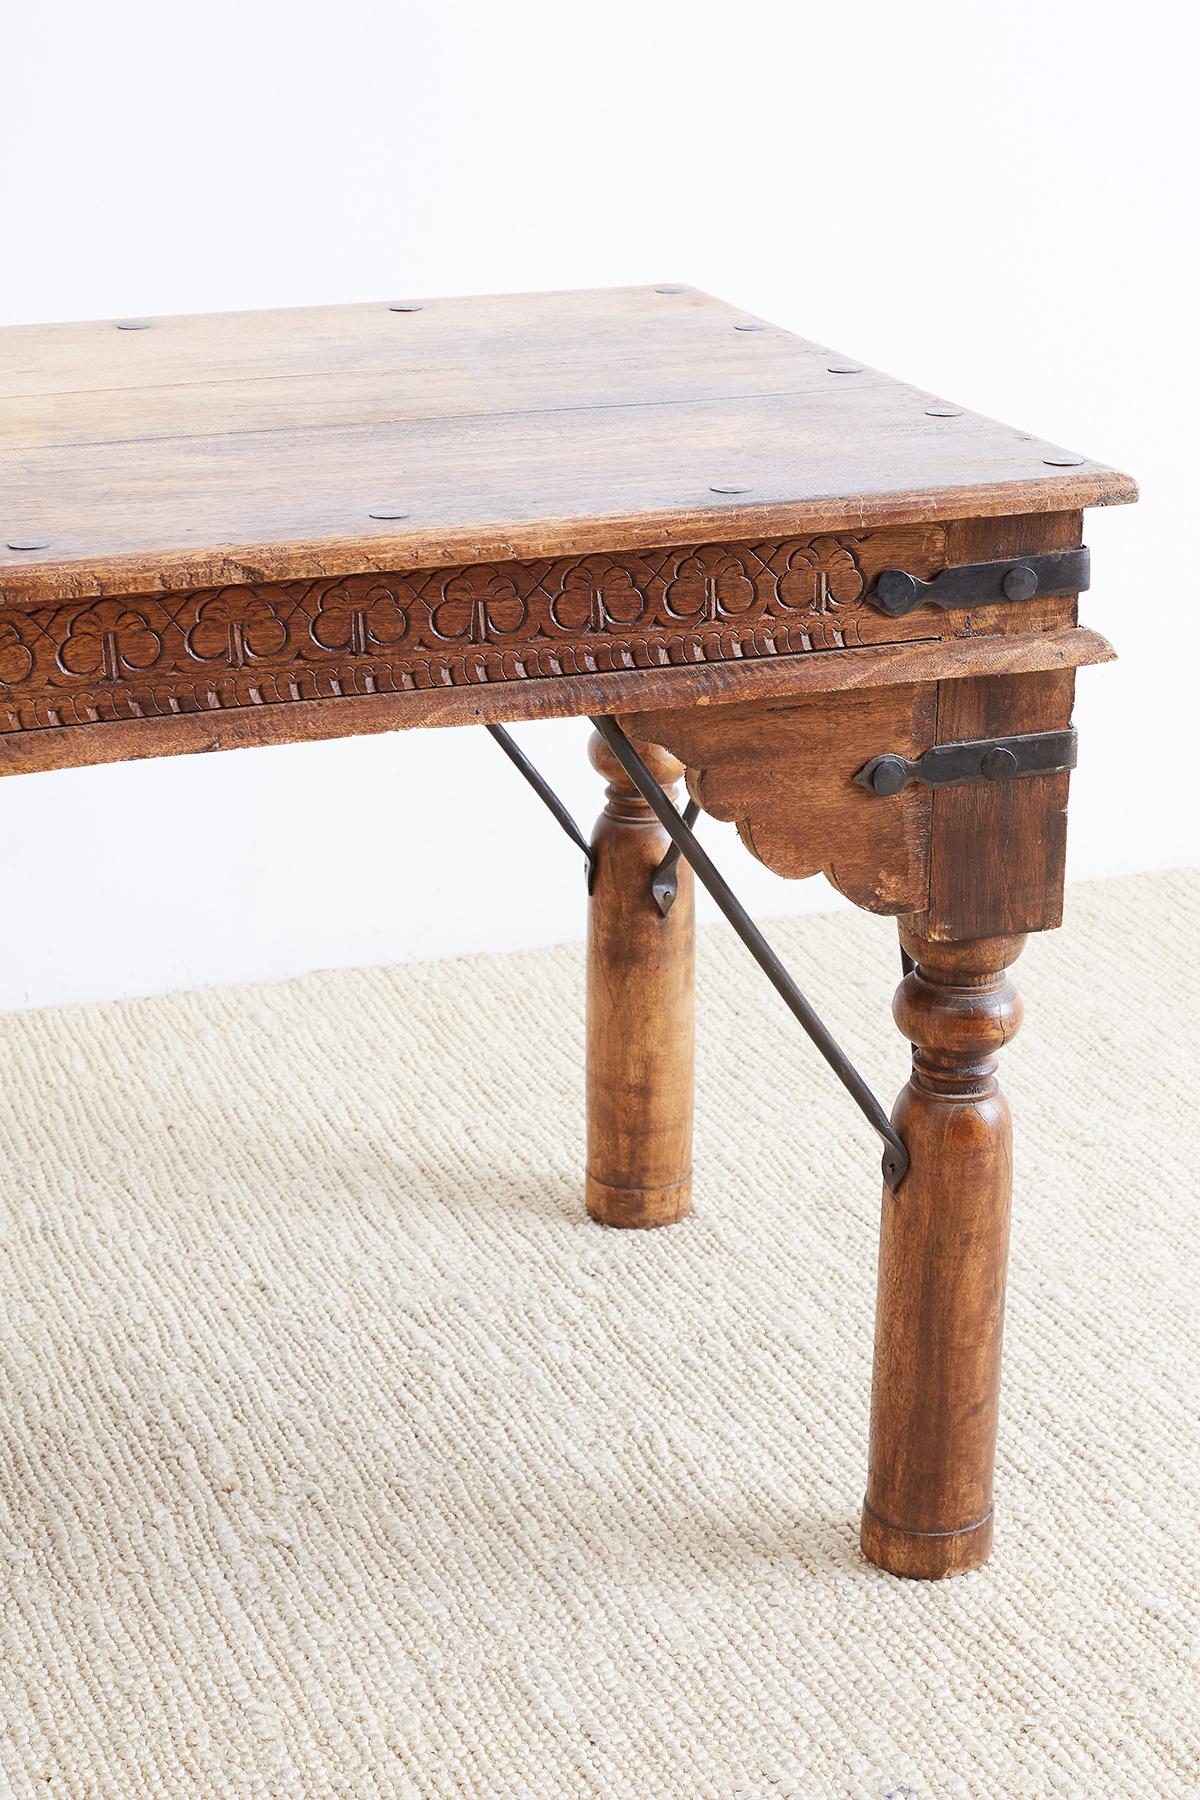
(109, 640)
(821, 577)
(235, 628)
(597, 595)
(367, 634)
(480, 605)
(712, 584)
(359, 619)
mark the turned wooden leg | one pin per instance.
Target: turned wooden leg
(942, 1257)
(640, 1028)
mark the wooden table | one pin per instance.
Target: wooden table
(770, 565)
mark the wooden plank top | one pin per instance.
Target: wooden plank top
(178, 453)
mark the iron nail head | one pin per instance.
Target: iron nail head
(845, 368)
(943, 412)
(999, 763)
(133, 324)
(670, 287)
(29, 543)
(896, 589)
(404, 306)
(387, 512)
(729, 487)
(889, 775)
(1020, 583)
(750, 325)
(1063, 460)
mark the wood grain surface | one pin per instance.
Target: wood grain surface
(246, 447)
(640, 1010)
(943, 1254)
(782, 770)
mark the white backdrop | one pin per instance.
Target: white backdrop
(995, 203)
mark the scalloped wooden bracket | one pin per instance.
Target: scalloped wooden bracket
(782, 770)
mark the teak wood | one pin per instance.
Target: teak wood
(263, 528)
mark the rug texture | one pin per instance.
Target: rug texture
(343, 1456)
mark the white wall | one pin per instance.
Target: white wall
(989, 201)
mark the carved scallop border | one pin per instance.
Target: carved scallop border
(270, 644)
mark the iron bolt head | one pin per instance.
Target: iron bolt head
(895, 590)
(999, 763)
(1020, 583)
(889, 775)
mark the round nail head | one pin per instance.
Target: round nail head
(29, 543)
(133, 324)
(750, 325)
(895, 590)
(403, 306)
(845, 368)
(387, 512)
(889, 775)
(1064, 460)
(669, 287)
(943, 412)
(1020, 583)
(999, 763)
(729, 487)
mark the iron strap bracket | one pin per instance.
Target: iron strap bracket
(975, 759)
(677, 828)
(896, 592)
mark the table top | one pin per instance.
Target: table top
(176, 453)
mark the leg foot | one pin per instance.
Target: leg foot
(639, 1013)
(942, 1260)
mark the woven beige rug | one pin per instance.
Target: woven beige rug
(342, 1456)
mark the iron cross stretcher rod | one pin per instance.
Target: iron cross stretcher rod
(545, 793)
